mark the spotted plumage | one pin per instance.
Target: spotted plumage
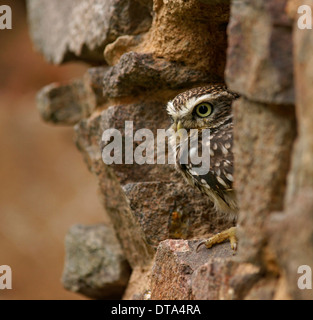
(207, 108)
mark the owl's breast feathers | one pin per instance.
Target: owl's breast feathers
(217, 184)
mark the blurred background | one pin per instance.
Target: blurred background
(45, 186)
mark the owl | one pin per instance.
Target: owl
(207, 108)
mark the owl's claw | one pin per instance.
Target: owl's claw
(200, 244)
(221, 237)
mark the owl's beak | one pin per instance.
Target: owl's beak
(179, 126)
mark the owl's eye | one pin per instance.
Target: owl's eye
(204, 109)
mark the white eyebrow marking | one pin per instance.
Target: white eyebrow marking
(191, 103)
(170, 109)
(187, 107)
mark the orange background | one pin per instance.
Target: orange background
(44, 185)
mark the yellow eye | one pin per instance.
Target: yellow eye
(204, 109)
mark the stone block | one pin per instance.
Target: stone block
(145, 114)
(290, 237)
(80, 29)
(193, 33)
(95, 264)
(173, 210)
(121, 45)
(139, 287)
(63, 104)
(264, 136)
(174, 265)
(67, 104)
(93, 85)
(138, 73)
(224, 279)
(259, 57)
(302, 171)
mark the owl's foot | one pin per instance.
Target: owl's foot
(221, 237)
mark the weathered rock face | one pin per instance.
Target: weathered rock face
(80, 29)
(138, 73)
(174, 266)
(156, 216)
(259, 64)
(264, 139)
(272, 168)
(65, 104)
(95, 265)
(190, 32)
(302, 173)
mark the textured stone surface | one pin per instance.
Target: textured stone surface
(223, 279)
(149, 114)
(291, 232)
(95, 264)
(88, 136)
(265, 133)
(264, 136)
(291, 235)
(80, 29)
(191, 33)
(139, 285)
(302, 175)
(67, 104)
(174, 265)
(63, 104)
(172, 210)
(121, 45)
(259, 64)
(93, 85)
(137, 72)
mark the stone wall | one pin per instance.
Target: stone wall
(144, 53)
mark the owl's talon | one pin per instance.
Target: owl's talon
(200, 244)
(221, 237)
(233, 242)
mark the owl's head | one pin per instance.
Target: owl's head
(201, 108)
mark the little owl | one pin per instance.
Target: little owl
(207, 108)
